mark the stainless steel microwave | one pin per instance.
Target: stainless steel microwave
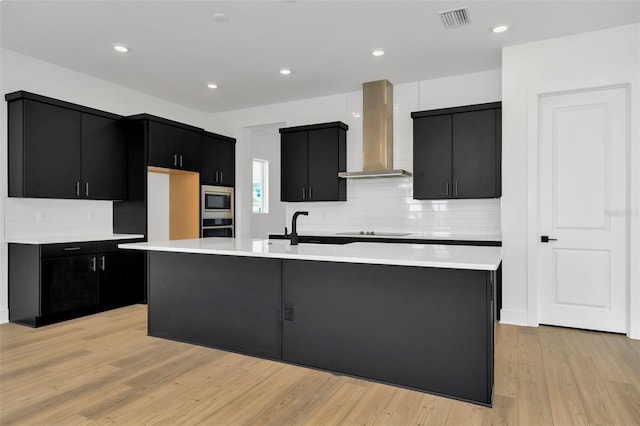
(217, 211)
(217, 199)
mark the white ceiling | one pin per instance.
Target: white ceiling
(177, 47)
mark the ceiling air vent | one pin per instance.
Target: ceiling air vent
(454, 17)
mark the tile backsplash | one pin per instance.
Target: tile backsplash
(387, 205)
(28, 217)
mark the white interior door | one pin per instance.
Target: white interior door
(582, 197)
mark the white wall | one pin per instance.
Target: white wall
(595, 59)
(20, 72)
(379, 204)
(265, 145)
(158, 206)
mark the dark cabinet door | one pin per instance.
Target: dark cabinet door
(104, 159)
(52, 161)
(425, 328)
(432, 168)
(294, 165)
(474, 154)
(226, 163)
(323, 165)
(189, 149)
(163, 145)
(209, 162)
(121, 278)
(68, 283)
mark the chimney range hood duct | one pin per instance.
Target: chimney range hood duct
(377, 133)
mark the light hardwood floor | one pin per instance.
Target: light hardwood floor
(105, 369)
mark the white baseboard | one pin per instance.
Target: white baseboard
(512, 317)
(4, 316)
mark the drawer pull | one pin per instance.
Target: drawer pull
(71, 248)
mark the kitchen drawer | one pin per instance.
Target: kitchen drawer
(68, 249)
(112, 245)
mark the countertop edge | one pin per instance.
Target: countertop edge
(481, 266)
(71, 239)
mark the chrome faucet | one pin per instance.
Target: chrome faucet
(293, 237)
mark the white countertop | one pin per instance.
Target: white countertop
(407, 236)
(56, 239)
(423, 255)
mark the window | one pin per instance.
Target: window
(260, 186)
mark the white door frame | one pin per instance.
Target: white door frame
(533, 232)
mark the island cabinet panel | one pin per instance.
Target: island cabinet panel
(224, 302)
(424, 328)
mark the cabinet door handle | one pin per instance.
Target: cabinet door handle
(456, 188)
(71, 248)
(310, 193)
(446, 188)
(103, 263)
(221, 177)
(93, 264)
(216, 180)
(180, 160)
(175, 159)
(304, 193)
(77, 189)
(86, 189)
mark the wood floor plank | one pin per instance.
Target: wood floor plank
(104, 369)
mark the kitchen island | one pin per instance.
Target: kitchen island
(418, 316)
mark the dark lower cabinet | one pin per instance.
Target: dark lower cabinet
(424, 328)
(428, 329)
(224, 302)
(68, 283)
(121, 274)
(54, 282)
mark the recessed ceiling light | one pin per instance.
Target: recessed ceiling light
(120, 48)
(500, 28)
(378, 52)
(285, 71)
(212, 86)
(220, 17)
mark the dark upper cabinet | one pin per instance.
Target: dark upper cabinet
(218, 160)
(104, 158)
(311, 157)
(456, 152)
(62, 150)
(174, 146)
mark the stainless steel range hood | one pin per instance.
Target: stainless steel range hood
(377, 133)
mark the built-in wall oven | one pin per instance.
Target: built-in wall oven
(217, 211)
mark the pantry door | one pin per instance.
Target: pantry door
(582, 200)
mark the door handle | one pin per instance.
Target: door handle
(103, 263)
(456, 188)
(546, 239)
(446, 188)
(304, 193)
(77, 189)
(310, 194)
(93, 264)
(175, 159)
(221, 177)
(86, 189)
(180, 160)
